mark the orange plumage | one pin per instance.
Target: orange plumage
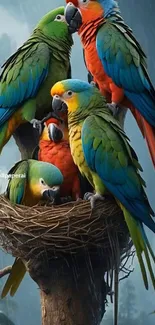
(59, 155)
(91, 20)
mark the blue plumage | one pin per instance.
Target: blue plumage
(120, 178)
(124, 63)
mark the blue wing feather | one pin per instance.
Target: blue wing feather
(132, 78)
(122, 181)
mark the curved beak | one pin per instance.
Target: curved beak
(58, 105)
(51, 195)
(55, 134)
(73, 18)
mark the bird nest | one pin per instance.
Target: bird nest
(69, 229)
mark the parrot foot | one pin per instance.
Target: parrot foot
(37, 125)
(114, 108)
(65, 199)
(93, 198)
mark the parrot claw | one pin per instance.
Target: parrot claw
(65, 199)
(114, 108)
(37, 125)
(93, 83)
(93, 198)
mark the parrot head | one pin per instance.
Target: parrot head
(54, 24)
(78, 96)
(54, 130)
(44, 180)
(81, 12)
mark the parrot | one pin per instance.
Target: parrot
(28, 74)
(29, 182)
(101, 150)
(54, 148)
(116, 61)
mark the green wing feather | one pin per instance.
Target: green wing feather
(16, 187)
(15, 193)
(22, 75)
(141, 247)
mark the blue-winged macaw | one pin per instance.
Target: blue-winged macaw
(116, 61)
(30, 181)
(102, 152)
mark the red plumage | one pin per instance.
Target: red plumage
(92, 19)
(59, 155)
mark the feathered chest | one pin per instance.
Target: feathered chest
(76, 145)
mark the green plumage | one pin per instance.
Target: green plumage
(28, 180)
(29, 74)
(102, 152)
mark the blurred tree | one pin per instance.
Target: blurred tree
(127, 309)
(4, 320)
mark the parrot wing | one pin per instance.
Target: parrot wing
(108, 153)
(124, 61)
(23, 74)
(16, 187)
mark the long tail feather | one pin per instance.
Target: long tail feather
(146, 129)
(149, 135)
(142, 245)
(15, 277)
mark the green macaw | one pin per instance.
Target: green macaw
(30, 181)
(101, 150)
(28, 74)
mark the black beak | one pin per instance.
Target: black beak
(51, 195)
(58, 105)
(55, 134)
(73, 18)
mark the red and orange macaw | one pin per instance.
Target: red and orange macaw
(115, 60)
(54, 148)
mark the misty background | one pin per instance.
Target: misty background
(17, 19)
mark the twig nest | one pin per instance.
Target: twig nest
(71, 228)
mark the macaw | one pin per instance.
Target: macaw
(28, 74)
(30, 181)
(101, 150)
(116, 61)
(54, 148)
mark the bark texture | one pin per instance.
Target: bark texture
(72, 292)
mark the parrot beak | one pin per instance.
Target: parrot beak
(55, 134)
(51, 194)
(58, 105)
(73, 18)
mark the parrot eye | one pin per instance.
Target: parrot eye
(58, 17)
(83, 1)
(42, 181)
(69, 93)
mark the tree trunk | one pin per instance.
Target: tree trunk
(72, 292)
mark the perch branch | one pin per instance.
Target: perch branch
(5, 271)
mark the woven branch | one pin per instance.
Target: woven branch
(28, 232)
